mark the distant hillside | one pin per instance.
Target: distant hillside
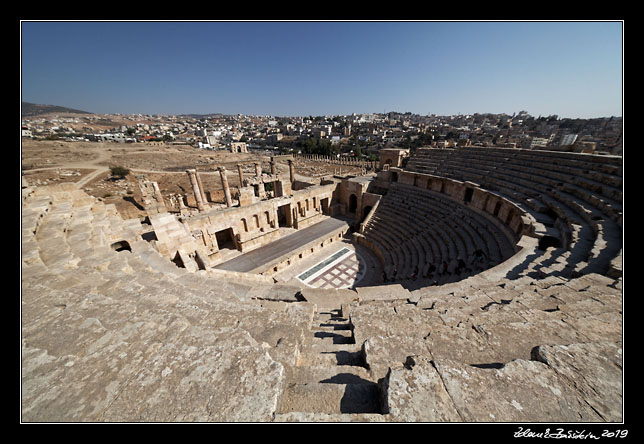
(203, 116)
(32, 109)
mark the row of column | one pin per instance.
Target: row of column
(335, 160)
(258, 170)
(199, 192)
(197, 189)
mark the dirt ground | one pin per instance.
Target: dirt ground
(87, 164)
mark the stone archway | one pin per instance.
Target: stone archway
(353, 203)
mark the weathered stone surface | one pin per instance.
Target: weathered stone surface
(210, 376)
(594, 369)
(199, 375)
(330, 398)
(280, 329)
(331, 298)
(383, 319)
(465, 343)
(382, 353)
(275, 292)
(520, 391)
(516, 340)
(417, 394)
(383, 292)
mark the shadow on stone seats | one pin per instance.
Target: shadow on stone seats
(121, 246)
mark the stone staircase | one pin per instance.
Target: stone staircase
(330, 381)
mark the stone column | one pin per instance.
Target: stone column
(157, 193)
(241, 175)
(201, 188)
(258, 170)
(195, 188)
(291, 169)
(224, 183)
(182, 206)
(272, 167)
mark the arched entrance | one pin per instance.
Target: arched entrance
(353, 203)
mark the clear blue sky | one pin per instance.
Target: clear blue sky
(572, 69)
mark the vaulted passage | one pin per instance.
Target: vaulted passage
(353, 203)
(225, 239)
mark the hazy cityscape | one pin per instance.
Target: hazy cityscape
(355, 135)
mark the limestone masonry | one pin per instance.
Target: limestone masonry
(492, 292)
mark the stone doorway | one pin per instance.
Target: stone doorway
(226, 239)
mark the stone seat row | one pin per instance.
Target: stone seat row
(415, 229)
(583, 227)
(62, 234)
(586, 181)
(484, 235)
(590, 178)
(589, 216)
(608, 164)
(434, 233)
(114, 326)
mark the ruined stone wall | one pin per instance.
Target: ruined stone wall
(349, 197)
(256, 224)
(392, 157)
(306, 205)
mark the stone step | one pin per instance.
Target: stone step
(330, 398)
(337, 374)
(331, 354)
(328, 313)
(333, 336)
(330, 325)
(331, 319)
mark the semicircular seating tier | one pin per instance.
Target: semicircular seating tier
(425, 234)
(574, 199)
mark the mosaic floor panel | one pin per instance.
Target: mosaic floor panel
(340, 270)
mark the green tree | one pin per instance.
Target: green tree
(119, 172)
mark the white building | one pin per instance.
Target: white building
(111, 137)
(538, 142)
(568, 139)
